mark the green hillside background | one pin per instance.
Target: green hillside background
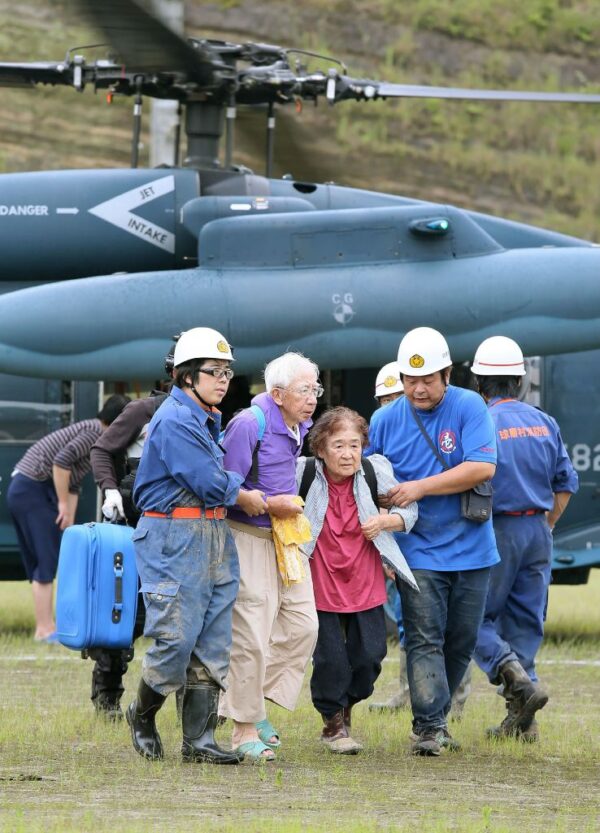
(539, 163)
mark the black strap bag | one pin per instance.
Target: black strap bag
(475, 503)
(310, 469)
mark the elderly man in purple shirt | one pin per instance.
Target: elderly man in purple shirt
(274, 627)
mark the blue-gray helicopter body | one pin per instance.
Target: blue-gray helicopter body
(338, 273)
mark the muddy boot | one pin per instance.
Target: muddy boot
(427, 743)
(336, 737)
(199, 721)
(107, 705)
(140, 716)
(107, 680)
(506, 729)
(531, 735)
(523, 699)
(401, 699)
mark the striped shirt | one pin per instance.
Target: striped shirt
(68, 448)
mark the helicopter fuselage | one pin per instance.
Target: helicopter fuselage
(338, 273)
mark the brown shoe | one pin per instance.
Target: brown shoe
(427, 743)
(509, 729)
(336, 736)
(523, 699)
(530, 735)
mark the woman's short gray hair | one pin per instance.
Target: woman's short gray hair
(282, 371)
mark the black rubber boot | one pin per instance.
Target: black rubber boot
(107, 680)
(107, 705)
(140, 716)
(199, 721)
(523, 699)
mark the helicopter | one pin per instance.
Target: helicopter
(271, 263)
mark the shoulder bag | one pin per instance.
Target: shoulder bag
(475, 503)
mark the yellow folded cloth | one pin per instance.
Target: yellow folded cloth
(288, 533)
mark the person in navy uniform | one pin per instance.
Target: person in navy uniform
(185, 553)
(533, 484)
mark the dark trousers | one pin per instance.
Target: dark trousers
(441, 624)
(347, 659)
(33, 506)
(513, 622)
(111, 663)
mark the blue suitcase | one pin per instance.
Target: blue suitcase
(97, 588)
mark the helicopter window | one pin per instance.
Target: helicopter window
(31, 408)
(305, 187)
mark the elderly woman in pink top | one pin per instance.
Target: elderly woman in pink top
(351, 540)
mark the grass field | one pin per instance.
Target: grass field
(61, 769)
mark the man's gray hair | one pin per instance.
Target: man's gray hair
(282, 371)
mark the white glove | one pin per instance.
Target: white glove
(112, 508)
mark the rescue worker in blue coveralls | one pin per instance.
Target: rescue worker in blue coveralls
(533, 484)
(185, 553)
(440, 440)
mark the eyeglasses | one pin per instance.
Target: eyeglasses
(218, 372)
(307, 390)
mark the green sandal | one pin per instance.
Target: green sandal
(266, 731)
(253, 750)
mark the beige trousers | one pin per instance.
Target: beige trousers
(274, 634)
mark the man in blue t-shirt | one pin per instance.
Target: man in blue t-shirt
(533, 483)
(441, 442)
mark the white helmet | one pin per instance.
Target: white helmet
(388, 380)
(423, 351)
(498, 356)
(201, 343)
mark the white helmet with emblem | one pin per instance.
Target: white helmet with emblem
(423, 351)
(388, 380)
(498, 356)
(201, 343)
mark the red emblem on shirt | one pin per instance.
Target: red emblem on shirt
(447, 441)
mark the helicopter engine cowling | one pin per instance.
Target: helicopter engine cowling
(197, 213)
(58, 225)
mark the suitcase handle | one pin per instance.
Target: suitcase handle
(118, 570)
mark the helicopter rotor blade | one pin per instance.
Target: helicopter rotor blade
(147, 45)
(29, 74)
(385, 90)
(277, 82)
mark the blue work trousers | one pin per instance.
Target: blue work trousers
(189, 573)
(513, 622)
(441, 624)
